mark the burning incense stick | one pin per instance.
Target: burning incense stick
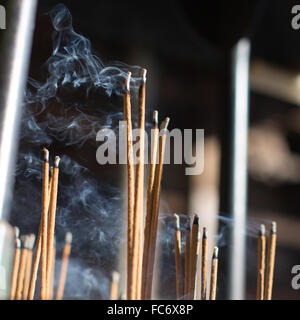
(131, 285)
(271, 261)
(31, 240)
(155, 207)
(51, 225)
(15, 271)
(187, 257)
(177, 245)
(21, 273)
(214, 275)
(194, 250)
(139, 191)
(151, 174)
(37, 255)
(261, 256)
(204, 265)
(44, 219)
(114, 285)
(64, 266)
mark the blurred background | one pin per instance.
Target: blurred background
(186, 50)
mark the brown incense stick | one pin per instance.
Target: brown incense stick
(114, 286)
(204, 265)
(155, 207)
(194, 251)
(177, 245)
(64, 266)
(139, 190)
(31, 239)
(22, 267)
(271, 262)
(37, 254)
(15, 271)
(131, 285)
(151, 174)
(187, 257)
(261, 265)
(51, 224)
(51, 285)
(44, 219)
(214, 275)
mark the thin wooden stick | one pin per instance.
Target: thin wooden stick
(64, 267)
(139, 190)
(155, 207)
(37, 254)
(31, 240)
(22, 267)
(151, 174)
(177, 245)
(131, 285)
(51, 225)
(204, 265)
(51, 287)
(187, 257)
(114, 286)
(261, 264)
(194, 251)
(214, 275)
(15, 271)
(271, 262)
(44, 219)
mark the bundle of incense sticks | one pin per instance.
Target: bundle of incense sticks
(140, 260)
(265, 271)
(26, 266)
(186, 272)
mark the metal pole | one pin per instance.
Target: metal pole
(14, 63)
(240, 105)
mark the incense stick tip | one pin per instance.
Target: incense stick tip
(155, 118)
(204, 233)
(216, 253)
(127, 84)
(46, 154)
(144, 73)
(18, 243)
(16, 232)
(31, 240)
(177, 220)
(115, 276)
(262, 230)
(69, 237)
(164, 124)
(56, 161)
(196, 219)
(274, 227)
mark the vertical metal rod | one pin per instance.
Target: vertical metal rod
(14, 63)
(240, 108)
